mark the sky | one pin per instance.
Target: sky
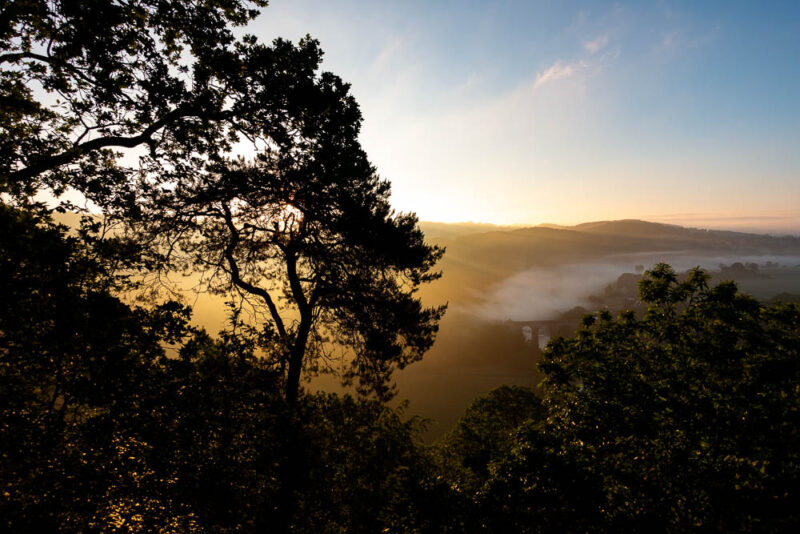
(565, 112)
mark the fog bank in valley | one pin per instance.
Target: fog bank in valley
(545, 292)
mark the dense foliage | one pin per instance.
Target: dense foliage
(118, 415)
(685, 419)
(83, 81)
(126, 418)
(485, 434)
(123, 417)
(309, 242)
(81, 106)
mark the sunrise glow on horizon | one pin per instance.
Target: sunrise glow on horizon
(530, 112)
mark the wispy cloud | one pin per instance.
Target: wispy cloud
(390, 49)
(557, 71)
(597, 44)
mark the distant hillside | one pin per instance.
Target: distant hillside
(479, 256)
(605, 237)
(689, 236)
(440, 230)
(635, 227)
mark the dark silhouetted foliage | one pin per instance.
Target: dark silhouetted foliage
(166, 75)
(486, 433)
(77, 364)
(310, 239)
(172, 77)
(118, 415)
(123, 418)
(686, 419)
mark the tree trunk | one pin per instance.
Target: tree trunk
(296, 357)
(298, 350)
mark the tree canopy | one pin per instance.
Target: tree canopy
(310, 240)
(685, 419)
(486, 434)
(85, 82)
(119, 415)
(125, 418)
(168, 85)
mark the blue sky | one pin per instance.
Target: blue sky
(565, 112)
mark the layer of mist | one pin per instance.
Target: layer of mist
(546, 292)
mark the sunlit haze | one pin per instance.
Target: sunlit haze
(564, 112)
(217, 319)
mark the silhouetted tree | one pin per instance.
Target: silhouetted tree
(485, 434)
(310, 237)
(76, 364)
(171, 76)
(686, 419)
(83, 81)
(100, 430)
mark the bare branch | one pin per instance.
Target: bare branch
(236, 277)
(47, 163)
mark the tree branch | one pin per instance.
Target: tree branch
(236, 277)
(40, 165)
